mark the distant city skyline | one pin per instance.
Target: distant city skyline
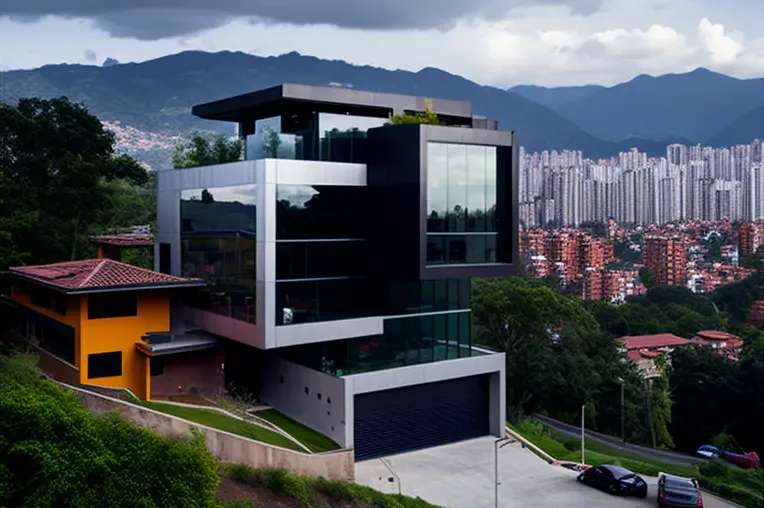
(494, 42)
(565, 189)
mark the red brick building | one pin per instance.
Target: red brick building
(747, 241)
(666, 259)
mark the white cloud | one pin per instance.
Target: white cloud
(540, 44)
(722, 49)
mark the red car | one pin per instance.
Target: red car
(748, 460)
(676, 491)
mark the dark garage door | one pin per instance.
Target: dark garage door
(420, 416)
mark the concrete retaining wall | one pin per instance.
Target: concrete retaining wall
(226, 447)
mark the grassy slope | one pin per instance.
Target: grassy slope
(223, 422)
(318, 492)
(316, 441)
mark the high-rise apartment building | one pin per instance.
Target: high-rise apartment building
(747, 241)
(666, 260)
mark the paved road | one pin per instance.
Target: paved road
(651, 453)
(461, 475)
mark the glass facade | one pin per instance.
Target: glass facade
(413, 297)
(461, 204)
(406, 341)
(342, 138)
(312, 136)
(218, 245)
(321, 255)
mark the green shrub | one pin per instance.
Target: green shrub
(732, 492)
(54, 453)
(281, 481)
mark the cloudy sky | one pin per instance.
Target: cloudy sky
(498, 42)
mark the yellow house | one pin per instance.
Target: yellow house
(86, 317)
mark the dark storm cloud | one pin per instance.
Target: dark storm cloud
(155, 19)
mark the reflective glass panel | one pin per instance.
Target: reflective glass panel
(307, 260)
(342, 138)
(457, 187)
(218, 246)
(320, 212)
(437, 187)
(269, 142)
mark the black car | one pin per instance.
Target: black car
(615, 480)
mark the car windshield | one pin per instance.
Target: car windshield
(680, 492)
(619, 472)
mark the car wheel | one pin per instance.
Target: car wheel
(642, 494)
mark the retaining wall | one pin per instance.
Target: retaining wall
(226, 447)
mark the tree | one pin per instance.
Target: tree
(271, 142)
(205, 150)
(57, 165)
(419, 117)
(646, 276)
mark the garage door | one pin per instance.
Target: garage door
(420, 416)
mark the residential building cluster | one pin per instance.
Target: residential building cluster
(566, 189)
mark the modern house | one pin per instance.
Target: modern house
(338, 257)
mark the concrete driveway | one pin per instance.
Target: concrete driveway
(461, 476)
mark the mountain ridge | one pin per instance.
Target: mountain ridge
(156, 95)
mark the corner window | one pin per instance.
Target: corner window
(112, 305)
(105, 365)
(41, 298)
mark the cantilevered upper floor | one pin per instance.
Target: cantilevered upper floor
(324, 123)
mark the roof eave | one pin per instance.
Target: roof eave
(110, 289)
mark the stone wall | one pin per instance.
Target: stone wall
(226, 447)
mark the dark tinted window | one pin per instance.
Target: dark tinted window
(157, 366)
(105, 365)
(112, 305)
(60, 303)
(165, 258)
(320, 212)
(218, 246)
(218, 209)
(618, 472)
(323, 300)
(342, 138)
(41, 297)
(304, 260)
(48, 334)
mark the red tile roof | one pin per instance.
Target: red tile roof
(716, 335)
(653, 341)
(126, 240)
(98, 274)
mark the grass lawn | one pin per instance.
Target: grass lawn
(224, 422)
(315, 441)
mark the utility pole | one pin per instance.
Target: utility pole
(504, 442)
(623, 418)
(583, 443)
(648, 387)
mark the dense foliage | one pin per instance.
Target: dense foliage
(561, 355)
(61, 182)
(205, 150)
(418, 117)
(54, 453)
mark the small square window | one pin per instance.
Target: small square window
(157, 366)
(105, 365)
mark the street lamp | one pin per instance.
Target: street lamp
(504, 442)
(623, 419)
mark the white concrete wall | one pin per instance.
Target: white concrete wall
(327, 415)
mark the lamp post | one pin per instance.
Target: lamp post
(504, 442)
(623, 418)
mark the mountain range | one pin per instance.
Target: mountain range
(647, 112)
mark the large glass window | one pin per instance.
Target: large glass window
(406, 341)
(313, 300)
(218, 245)
(342, 138)
(48, 334)
(269, 142)
(320, 212)
(411, 297)
(319, 259)
(461, 204)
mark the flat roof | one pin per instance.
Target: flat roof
(194, 340)
(269, 101)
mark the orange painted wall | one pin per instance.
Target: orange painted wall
(109, 335)
(21, 294)
(121, 334)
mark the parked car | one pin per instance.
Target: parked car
(615, 480)
(748, 460)
(708, 451)
(677, 491)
